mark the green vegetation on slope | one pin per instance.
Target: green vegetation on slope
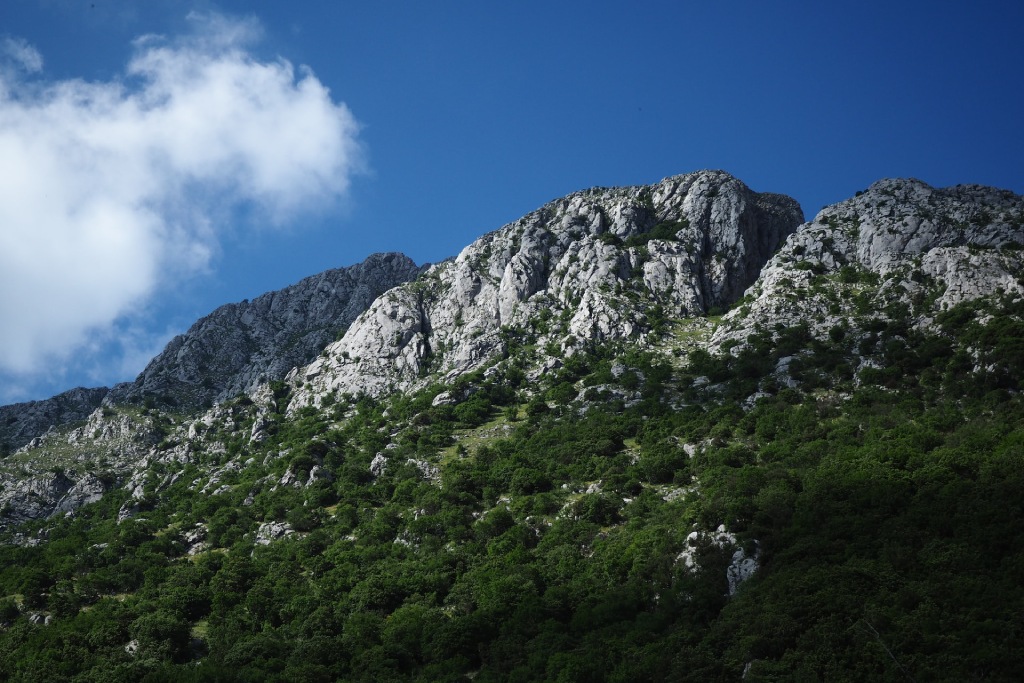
(883, 501)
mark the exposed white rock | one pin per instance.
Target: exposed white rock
(583, 260)
(378, 464)
(290, 478)
(195, 539)
(318, 473)
(42, 494)
(269, 532)
(88, 489)
(445, 398)
(428, 470)
(900, 241)
(128, 510)
(741, 567)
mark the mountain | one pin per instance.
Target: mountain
(232, 350)
(22, 422)
(604, 264)
(599, 265)
(900, 248)
(666, 432)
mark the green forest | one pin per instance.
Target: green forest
(534, 530)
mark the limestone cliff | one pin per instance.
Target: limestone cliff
(596, 265)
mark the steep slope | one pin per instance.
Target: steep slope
(901, 250)
(598, 265)
(240, 346)
(22, 422)
(828, 491)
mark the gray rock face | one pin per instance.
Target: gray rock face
(741, 567)
(230, 351)
(87, 489)
(45, 494)
(22, 422)
(240, 346)
(269, 532)
(900, 245)
(596, 265)
(62, 471)
(195, 539)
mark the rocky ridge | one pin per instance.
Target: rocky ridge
(594, 266)
(900, 249)
(231, 351)
(240, 346)
(603, 264)
(22, 422)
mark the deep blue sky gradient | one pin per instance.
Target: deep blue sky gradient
(474, 114)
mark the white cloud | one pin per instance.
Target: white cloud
(111, 189)
(23, 54)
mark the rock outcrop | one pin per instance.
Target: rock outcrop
(61, 471)
(601, 264)
(22, 422)
(900, 248)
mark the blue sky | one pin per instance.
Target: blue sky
(166, 157)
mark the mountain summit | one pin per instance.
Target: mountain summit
(603, 264)
(899, 247)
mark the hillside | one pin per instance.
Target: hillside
(232, 350)
(667, 432)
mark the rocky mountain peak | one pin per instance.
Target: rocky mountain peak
(900, 218)
(900, 244)
(604, 263)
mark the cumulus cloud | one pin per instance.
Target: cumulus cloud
(109, 190)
